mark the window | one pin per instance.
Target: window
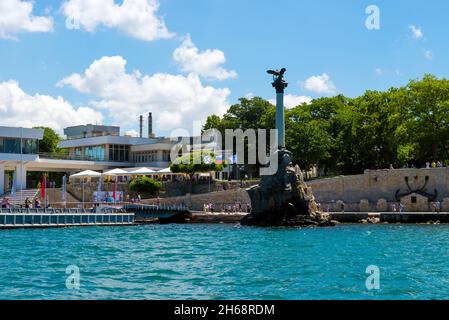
(13, 145)
(119, 153)
(30, 146)
(146, 156)
(94, 153)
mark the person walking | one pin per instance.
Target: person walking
(438, 206)
(27, 203)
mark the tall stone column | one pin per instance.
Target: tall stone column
(280, 119)
(279, 84)
(282, 198)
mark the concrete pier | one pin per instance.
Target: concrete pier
(392, 217)
(59, 218)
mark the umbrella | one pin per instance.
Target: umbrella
(86, 174)
(142, 172)
(116, 172)
(165, 171)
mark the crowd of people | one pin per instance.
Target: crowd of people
(398, 207)
(227, 208)
(428, 165)
(5, 203)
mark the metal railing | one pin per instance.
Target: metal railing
(17, 210)
(66, 156)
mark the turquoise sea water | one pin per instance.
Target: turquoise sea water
(226, 262)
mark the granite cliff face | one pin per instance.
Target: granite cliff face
(283, 199)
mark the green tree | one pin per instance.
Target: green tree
(428, 108)
(145, 185)
(50, 141)
(404, 125)
(308, 139)
(194, 162)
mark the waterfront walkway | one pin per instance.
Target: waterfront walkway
(390, 217)
(52, 218)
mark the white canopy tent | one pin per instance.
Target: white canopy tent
(117, 173)
(142, 172)
(86, 174)
(165, 171)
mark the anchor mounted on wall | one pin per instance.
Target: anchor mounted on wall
(421, 191)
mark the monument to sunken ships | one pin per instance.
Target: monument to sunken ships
(283, 199)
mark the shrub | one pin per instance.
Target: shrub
(145, 185)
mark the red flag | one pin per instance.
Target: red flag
(115, 189)
(44, 182)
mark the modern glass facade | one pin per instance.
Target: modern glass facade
(118, 152)
(95, 153)
(13, 145)
(145, 156)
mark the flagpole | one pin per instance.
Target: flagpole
(63, 190)
(99, 189)
(21, 165)
(83, 192)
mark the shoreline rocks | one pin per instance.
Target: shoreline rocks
(284, 200)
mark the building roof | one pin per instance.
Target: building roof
(26, 133)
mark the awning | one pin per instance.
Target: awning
(142, 172)
(117, 173)
(165, 171)
(86, 174)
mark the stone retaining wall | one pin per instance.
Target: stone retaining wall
(375, 190)
(196, 202)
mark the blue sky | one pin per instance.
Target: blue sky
(324, 45)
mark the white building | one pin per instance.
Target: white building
(88, 147)
(18, 147)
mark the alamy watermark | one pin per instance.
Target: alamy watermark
(249, 147)
(373, 280)
(72, 281)
(372, 22)
(72, 22)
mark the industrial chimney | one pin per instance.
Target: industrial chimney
(141, 126)
(150, 125)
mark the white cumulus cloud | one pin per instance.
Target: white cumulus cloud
(428, 55)
(320, 84)
(137, 18)
(416, 32)
(175, 100)
(207, 63)
(291, 100)
(19, 108)
(17, 17)
(132, 133)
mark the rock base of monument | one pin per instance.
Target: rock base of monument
(284, 200)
